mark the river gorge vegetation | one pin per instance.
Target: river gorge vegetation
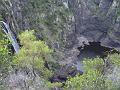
(59, 45)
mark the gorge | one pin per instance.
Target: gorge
(59, 44)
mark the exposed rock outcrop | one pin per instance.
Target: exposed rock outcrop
(94, 21)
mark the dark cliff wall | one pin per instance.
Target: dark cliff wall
(97, 21)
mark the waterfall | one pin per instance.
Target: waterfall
(79, 66)
(11, 36)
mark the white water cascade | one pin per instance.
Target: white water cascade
(11, 36)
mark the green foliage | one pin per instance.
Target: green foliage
(54, 85)
(94, 64)
(51, 20)
(51, 13)
(5, 58)
(115, 59)
(92, 79)
(33, 54)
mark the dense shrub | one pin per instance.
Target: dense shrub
(115, 59)
(5, 58)
(33, 54)
(94, 78)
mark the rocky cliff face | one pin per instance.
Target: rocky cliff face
(97, 21)
(94, 21)
(88, 21)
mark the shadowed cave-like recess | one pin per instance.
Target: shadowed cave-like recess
(93, 50)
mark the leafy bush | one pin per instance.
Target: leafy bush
(33, 54)
(114, 75)
(5, 57)
(92, 79)
(115, 59)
